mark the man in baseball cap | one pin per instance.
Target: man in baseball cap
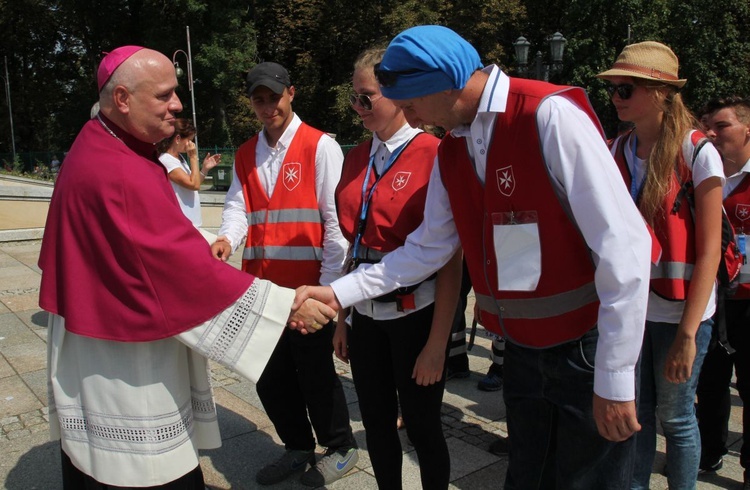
(283, 187)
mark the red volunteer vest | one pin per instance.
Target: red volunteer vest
(737, 205)
(564, 305)
(675, 231)
(285, 233)
(397, 204)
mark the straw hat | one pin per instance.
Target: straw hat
(648, 60)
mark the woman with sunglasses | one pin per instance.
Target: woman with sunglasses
(396, 343)
(666, 164)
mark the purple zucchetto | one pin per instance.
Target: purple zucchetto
(427, 60)
(111, 61)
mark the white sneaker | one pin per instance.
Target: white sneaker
(331, 467)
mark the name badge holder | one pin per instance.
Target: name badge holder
(518, 250)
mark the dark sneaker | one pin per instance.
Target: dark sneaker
(331, 467)
(291, 462)
(710, 466)
(451, 373)
(499, 447)
(493, 381)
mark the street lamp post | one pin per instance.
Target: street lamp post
(6, 79)
(541, 70)
(179, 72)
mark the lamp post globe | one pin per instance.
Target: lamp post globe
(522, 50)
(556, 47)
(179, 72)
(540, 70)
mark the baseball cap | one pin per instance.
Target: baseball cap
(268, 74)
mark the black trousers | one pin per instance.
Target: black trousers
(382, 355)
(714, 402)
(300, 380)
(75, 479)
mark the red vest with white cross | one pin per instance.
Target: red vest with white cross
(564, 304)
(737, 204)
(396, 207)
(285, 232)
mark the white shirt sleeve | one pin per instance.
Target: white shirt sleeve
(234, 215)
(169, 162)
(425, 251)
(707, 164)
(329, 161)
(582, 166)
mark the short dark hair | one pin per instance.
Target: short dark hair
(741, 106)
(183, 128)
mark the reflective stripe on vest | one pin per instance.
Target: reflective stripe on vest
(672, 270)
(283, 253)
(284, 216)
(539, 308)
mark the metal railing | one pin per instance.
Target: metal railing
(40, 161)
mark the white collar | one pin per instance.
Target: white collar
(494, 98)
(286, 138)
(404, 134)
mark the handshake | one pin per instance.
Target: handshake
(313, 307)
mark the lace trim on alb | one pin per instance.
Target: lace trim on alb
(228, 335)
(118, 433)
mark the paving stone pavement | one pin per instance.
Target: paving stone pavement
(472, 419)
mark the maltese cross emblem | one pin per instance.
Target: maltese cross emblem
(400, 180)
(291, 174)
(742, 211)
(506, 182)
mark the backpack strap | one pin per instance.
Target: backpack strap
(686, 192)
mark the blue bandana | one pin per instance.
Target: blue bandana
(436, 59)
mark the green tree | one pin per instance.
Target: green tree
(54, 47)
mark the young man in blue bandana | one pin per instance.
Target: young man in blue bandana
(557, 251)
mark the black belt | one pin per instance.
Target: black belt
(392, 297)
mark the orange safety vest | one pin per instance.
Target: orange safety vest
(674, 229)
(737, 204)
(564, 305)
(397, 205)
(285, 233)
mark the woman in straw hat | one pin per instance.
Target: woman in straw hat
(663, 161)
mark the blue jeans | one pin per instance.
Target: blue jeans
(554, 442)
(673, 403)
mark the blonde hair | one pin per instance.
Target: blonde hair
(677, 120)
(369, 58)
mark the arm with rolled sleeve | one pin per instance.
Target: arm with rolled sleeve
(614, 230)
(426, 250)
(234, 215)
(328, 164)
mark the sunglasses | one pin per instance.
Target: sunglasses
(387, 78)
(624, 90)
(364, 100)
